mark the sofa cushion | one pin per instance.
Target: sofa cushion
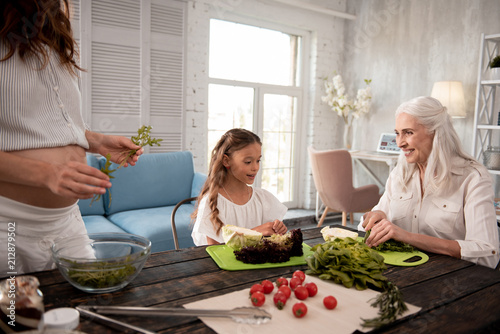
(198, 182)
(98, 224)
(154, 224)
(159, 179)
(97, 207)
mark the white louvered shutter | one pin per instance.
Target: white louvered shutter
(133, 51)
(167, 54)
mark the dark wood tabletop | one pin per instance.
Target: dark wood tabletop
(456, 296)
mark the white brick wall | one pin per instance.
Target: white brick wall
(325, 56)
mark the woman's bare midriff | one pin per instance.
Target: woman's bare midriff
(43, 197)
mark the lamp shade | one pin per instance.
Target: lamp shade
(451, 95)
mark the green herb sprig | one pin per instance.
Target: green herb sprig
(391, 305)
(391, 245)
(142, 139)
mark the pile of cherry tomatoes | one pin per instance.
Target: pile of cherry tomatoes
(285, 288)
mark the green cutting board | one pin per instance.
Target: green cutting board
(401, 258)
(224, 257)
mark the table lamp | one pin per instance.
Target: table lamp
(451, 95)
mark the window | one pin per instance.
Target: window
(255, 84)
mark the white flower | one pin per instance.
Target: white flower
(339, 102)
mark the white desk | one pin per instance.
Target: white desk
(388, 158)
(358, 157)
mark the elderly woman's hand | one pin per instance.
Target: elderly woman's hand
(383, 231)
(371, 218)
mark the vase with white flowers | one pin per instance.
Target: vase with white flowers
(346, 108)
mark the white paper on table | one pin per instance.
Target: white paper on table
(345, 318)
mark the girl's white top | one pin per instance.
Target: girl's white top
(262, 207)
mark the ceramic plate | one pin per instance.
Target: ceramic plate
(224, 257)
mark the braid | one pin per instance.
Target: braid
(215, 178)
(218, 177)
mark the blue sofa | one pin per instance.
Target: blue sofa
(143, 197)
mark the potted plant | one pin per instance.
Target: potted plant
(495, 68)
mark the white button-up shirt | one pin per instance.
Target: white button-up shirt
(464, 213)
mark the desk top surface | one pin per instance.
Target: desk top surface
(453, 294)
(374, 155)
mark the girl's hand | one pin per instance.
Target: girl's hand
(371, 218)
(270, 228)
(279, 227)
(383, 231)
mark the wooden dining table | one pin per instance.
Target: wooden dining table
(455, 296)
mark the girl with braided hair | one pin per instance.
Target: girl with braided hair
(227, 198)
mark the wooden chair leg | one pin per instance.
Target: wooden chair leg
(323, 216)
(344, 218)
(352, 217)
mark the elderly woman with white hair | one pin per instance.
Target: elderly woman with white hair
(438, 198)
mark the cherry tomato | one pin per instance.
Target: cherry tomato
(280, 300)
(258, 298)
(301, 292)
(299, 310)
(300, 274)
(312, 288)
(255, 288)
(268, 286)
(330, 302)
(286, 290)
(295, 282)
(281, 281)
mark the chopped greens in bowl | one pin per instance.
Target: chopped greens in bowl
(101, 262)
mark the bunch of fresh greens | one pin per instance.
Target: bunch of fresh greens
(100, 275)
(142, 139)
(352, 263)
(391, 305)
(273, 249)
(391, 245)
(348, 262)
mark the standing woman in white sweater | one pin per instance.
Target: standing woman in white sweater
(43, 138)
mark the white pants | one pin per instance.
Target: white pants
(31, 231)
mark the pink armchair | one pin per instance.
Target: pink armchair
(332, 174)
